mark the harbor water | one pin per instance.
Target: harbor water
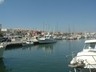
(41, 58)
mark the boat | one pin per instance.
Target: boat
(58, 37)
(28, 43)
(46, 39)
(2, 48)
(35, 40)
(85, 59)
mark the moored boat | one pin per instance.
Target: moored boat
(27, 43)
(87, 57)
(46, 39)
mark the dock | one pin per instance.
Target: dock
(13, 44)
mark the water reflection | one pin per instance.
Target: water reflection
(46, 47)
(11, 48)
(2, 66)
(30, 47)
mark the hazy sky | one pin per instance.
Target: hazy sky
(58, 15)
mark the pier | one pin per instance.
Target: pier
(13, 44)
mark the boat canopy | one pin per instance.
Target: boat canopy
(90, 44)
(90, 41)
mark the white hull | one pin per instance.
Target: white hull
(28, 43)
(89, 59)
(1, 52)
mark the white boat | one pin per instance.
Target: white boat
(46, 39)
(35, 40)
(87, 57)
(58, 37)
(27, 43)
(2, 48)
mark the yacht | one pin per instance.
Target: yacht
(2, 48)
(46, 39)
(87, 57)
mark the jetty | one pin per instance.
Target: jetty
(12, 44)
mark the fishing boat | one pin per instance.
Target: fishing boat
(85, 59)
(2, 48)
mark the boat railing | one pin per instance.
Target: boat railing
(87, 66)
(90, 65)
(87, 55)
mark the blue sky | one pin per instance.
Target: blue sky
(58, 15)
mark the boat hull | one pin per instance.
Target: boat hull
(89, 59)
(47, 41)
(25, 44)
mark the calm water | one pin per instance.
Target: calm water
(40, 58)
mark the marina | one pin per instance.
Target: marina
(47, 51)
(47, 36)
(42, 57)
(68, 49)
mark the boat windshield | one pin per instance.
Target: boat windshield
(90, 46)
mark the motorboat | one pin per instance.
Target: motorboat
(28, 43)
(58, 37)
(87, 57)
(46, 39)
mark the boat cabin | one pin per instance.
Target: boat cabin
(90, 45)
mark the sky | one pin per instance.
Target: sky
(50, 15)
